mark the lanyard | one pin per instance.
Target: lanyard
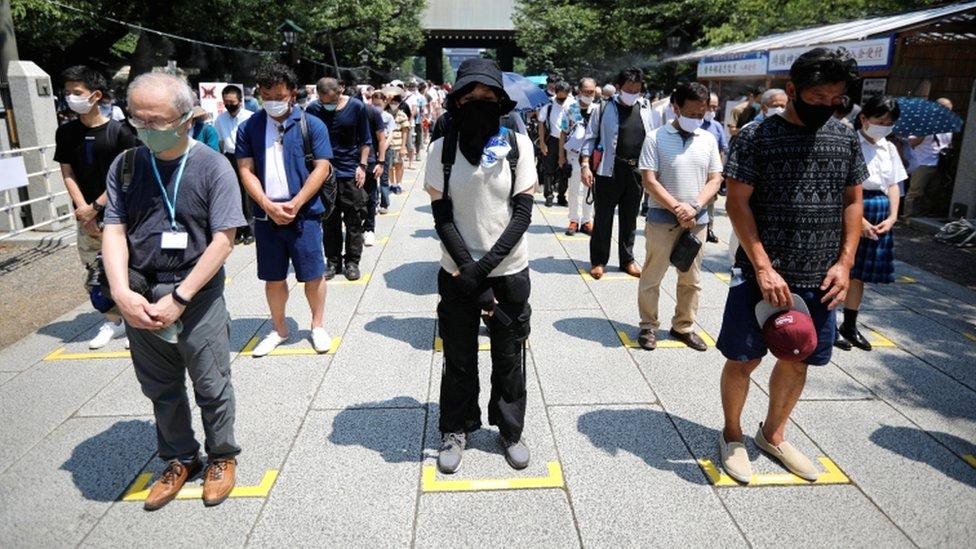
(170, 205)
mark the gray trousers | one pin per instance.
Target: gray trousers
(203, 351)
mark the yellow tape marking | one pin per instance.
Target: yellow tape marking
(389, 214)
(60, 354)
(432, 484)
(139, 490)
(290, 351)
(622, 276)
(970, 459)
(906, 280)
(724, 277)
(831, 475)
(877, 340)
(969, 336)
(664, 343)
(228, 280)
(577, 236)
(382, 240)
(363, 280)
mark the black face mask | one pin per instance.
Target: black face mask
(812, 116)
(477, 122)
(232, 108)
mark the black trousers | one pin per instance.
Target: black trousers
(350, 210)
(245, 200)
(459, 318)
(554, 182)
(372, 197)
(623, 189)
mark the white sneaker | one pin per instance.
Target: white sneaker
(107, 332)
(321, 340)
(268, 344)
(369, 239)
(382, 210)
(126, 343)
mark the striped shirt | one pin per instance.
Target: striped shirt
(682, 167)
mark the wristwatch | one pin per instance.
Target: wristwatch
(381, 162)
(179, 299)
(99, 208)
(696, 206)
(363, 166)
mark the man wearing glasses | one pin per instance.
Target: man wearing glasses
(173, 210)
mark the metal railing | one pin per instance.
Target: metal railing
(10, 209)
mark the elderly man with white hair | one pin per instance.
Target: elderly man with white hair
(173, 209)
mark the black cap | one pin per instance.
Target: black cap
(480, 71)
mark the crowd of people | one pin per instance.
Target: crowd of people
(162, 195)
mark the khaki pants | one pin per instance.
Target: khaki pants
(661, 238)
(919, 187)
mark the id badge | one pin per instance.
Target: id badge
(175, 240)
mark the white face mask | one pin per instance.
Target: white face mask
(773, 111)
(689, 124)
(628, 99)
(276, 108)
(709, 115)
(877, 131)
(79, 104)
(585, 99)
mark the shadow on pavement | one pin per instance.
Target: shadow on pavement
(554, 265)
(417, 278)
(362, 426)
(622, 430)
(425, 233)
(904, 441)
(417, 331)
(596, 329)
(424, 209)
(67, 330)
(104, 465)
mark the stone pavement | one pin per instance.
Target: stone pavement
(339, 449)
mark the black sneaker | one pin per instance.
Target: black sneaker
(548, 201)
(352, 271)
(711, 237)
(331, 268)
(562, 202)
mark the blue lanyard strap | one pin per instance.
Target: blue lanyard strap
(170, 205)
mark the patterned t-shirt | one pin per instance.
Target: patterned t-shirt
(798, 179)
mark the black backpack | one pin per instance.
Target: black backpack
(329, 186)
(449, 153)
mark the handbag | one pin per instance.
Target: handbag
(685, 251)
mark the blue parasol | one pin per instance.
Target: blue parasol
(526, 94)
(923, 117)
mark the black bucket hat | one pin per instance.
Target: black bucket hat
(480, 71)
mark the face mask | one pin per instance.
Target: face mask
(478, 121)
(756, 106)
(877, 131)
(330, 106)
(812, 116)
(773, 111)
(628, 99)
(689, 124)
(585, 99)
(276, 108)
(79, 104)
(709, 116)
(560, 101)
(232, 108)
(162, 140)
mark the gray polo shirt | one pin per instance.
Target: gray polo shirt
(682, 166)
(209, 200)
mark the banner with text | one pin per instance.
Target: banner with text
(726, 66)
(873, 54)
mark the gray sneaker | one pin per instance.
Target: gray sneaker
(516, 453)
(452, 449)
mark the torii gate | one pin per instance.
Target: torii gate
(468, 24)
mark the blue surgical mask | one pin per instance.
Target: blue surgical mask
(330, 106)
(162, 140)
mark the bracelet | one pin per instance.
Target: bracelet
(179, 299)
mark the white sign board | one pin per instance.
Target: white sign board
(753, 64)
(13, 173)
(210, 96)
(870, 54)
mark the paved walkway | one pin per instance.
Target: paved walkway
(338, 449)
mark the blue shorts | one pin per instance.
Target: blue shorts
(741, 338)
(300, 242)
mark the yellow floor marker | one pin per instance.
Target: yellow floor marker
(577, 236)
(291, 351)
(606, 276)
(970, 459)
(382, 240)
(905, 280)
(342, 281)
(969, 336)
(389, 214)
(877, 340)
(60, 354)
(724, 277)
(664, 343)
(432, 484)
(228, 280)
(831, 475)
(139, 490)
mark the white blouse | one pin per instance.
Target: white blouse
(884, 165)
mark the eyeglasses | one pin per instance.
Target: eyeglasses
(140, 124)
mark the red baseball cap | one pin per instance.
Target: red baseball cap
(788, 332)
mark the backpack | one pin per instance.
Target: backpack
(449, 153)
(329, 186)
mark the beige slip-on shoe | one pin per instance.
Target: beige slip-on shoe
(794, 460)
(735, 459)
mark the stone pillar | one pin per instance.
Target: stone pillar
(32, 97)
(963, 202)
(435, 61)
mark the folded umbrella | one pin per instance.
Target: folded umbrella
(923, 117)
(526, 95)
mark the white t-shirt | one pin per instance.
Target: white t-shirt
(884, 165)
(389, 123)
(275, 177)
(552, 114)
(482, 209)
(227, 125)
(927, 152)
(682, 166)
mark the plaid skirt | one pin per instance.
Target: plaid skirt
(875, 261)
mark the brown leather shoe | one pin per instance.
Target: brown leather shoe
(573, 227)
(632, 269)
(596, 272)
(218, 480)
(690, 339)
(647, 339)
(587, 228)
(170, 482)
